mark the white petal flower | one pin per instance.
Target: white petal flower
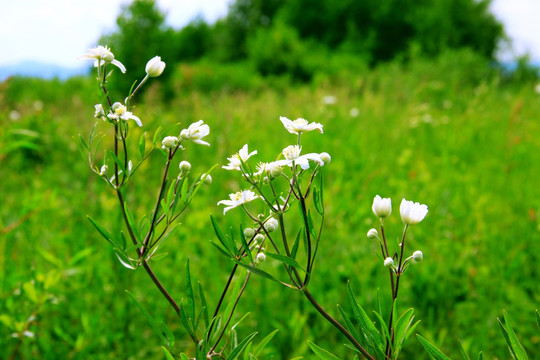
(411, 212)
(119, 111)
(237, 199)
(195, 132)
(300, 125)
(382, 207)
(103, 170)
(292, 156)
(235, 161)
(102, 55)
(155, 67)
(99, 112)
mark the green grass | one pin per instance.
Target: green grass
(463, 143)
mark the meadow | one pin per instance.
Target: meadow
(450, 132)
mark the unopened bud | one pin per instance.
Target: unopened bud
(260, 258)
(372, 234)
(389, 262)
(154, 67)
(169, 142)
(325, 157)
(185, 166)
(103, 170)
(276, 171)
(417, 256)
(271, 225)
(258, 238)
(248, 233)
(206, 179)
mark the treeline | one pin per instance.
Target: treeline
(295, 37)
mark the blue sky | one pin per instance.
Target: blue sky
(57, 31)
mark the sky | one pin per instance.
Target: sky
(57, 31)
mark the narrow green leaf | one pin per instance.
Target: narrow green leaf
(238, 349)
(168, 334)
(183, 356)
(287, 260)
(537, 318)
(259, 272)
(203, 305)
(431, 349)
(514, 343)
(142, 144)
(132, 224)
(245, 244)
(480, 356)
(463, 352)
(321, 353)
(117, 161)
(184, 191)
(102, 231)
(296, 244)
(168, 355)
(264, 342)
(220, 235)
(221, 249)
(191, 299)
(124, 259)
(185, 321)
(156, 135)
(148, 317)
(348, 324)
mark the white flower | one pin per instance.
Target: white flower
(372, 234)
(235, 161)
(411, 212)
(271, 225)
(382, 207)
(237, 199)
(195, 132)
(389, 262)
(184, 166)
(169, 142)
(417, 256)
(119, 111)
(292, 156)
(99, 112)
(103, 170)
(300, 125)
(272, 168)
(102, 55)
(154, 67)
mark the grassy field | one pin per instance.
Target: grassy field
(444, 133)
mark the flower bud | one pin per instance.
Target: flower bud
(259, 238)
(382, 207)
(325, 157)
(389, 262)
(99, 112)
(155, 66)
(417, 256)
(276, 171)
(260, 258)
(103, 170)
(248, 233)
(185, 166)
(271, 225)
(372, 234)
(206, 179)
(169, 142)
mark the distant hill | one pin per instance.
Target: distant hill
(41, 70)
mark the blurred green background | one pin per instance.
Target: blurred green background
(413, 105)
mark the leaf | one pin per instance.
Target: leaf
(142, 144)
(431, 349)
(349, 324)
(191, 299)
(148, 317)
(245, 244)
(102, 231)
(131, 222)
(264, 342)
(168, 355)
(463, 352)
(117, 161)
(260, 273)
(183, 357)
(511, 339)
(203, 305)
(168, 334)
(296, 243)
(124, 259)
(156, 135)
(537, 318)
(287, 260)
(221, 237)
(321, 353)
(237, 350)
(185, 321)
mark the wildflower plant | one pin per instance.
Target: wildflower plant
(144, 234)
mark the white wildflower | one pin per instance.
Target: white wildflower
(237, 199)
(235, 161)
(155, 67)
(119, 111)
(382, 207)
(411, 212)
(300, 125)
(195, 132)
(102, 55)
